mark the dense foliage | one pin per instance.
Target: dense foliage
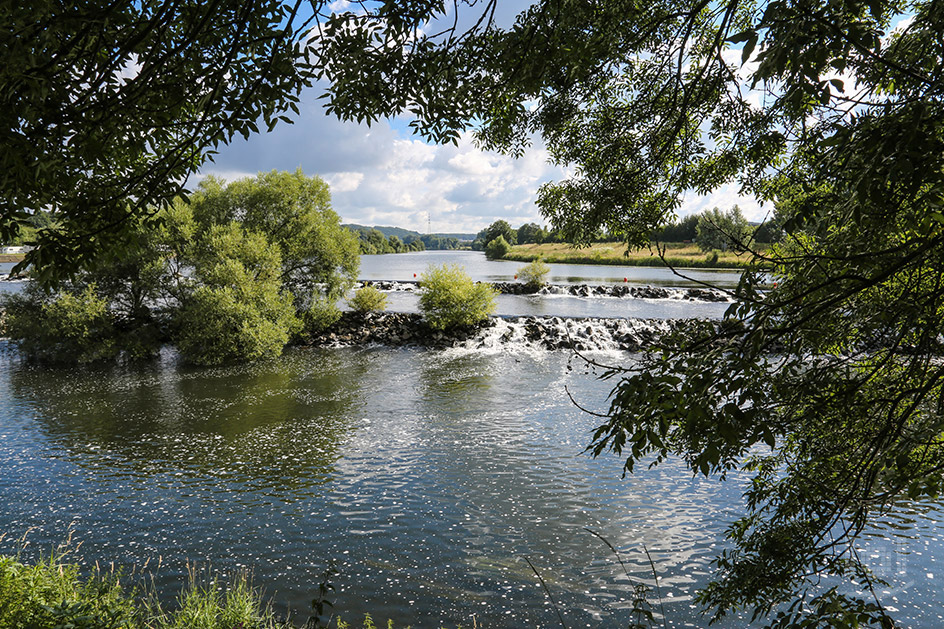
(232, 275)
(367, 299)
(531, 233)
(496, 248)
(450, 298)
(373, 241)
(723, 230)
(534, 274)
(53, 593)
(65, 326)
(827, 388)
(107, 108)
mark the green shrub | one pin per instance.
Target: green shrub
(238, 310)
(320, 315)
(497, 248)
(534, 275)
(367, 299)
(204, 604)
(65, 327)
(450, 298)
(218, 325)
(52, 594)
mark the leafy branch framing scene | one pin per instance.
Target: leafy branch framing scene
(823, 383)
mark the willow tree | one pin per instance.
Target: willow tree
(107, 107)
(825, 387)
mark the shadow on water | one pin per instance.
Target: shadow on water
(429, 476)
(278, 423)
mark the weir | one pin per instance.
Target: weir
(499, 333)
(625, 290)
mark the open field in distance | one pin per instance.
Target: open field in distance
(683, 255)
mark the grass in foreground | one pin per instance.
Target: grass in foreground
(52, 594)
(681, 255)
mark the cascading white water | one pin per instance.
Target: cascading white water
(552, 333)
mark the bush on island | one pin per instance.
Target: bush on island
(238, 309)
(497, 248)
(367, 299)
(450, 298)
(234, 273)
(534, 275)
(71, 326)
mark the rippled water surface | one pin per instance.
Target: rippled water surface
(403, 266)
(428, 476)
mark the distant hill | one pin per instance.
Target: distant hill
(401, 233)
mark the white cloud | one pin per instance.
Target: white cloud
(339, 6)
(344, 182)
(380, 177)
(724, 198)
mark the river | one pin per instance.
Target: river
(428, 476)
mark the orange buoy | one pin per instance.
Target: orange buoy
(625, 280)
(516, 277)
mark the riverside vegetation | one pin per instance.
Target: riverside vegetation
(52, 593)
(679, 255)
(234, 274)
(709, 239)
(830, 112)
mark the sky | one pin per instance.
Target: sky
(383, 175)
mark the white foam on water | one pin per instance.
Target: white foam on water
(533, 335)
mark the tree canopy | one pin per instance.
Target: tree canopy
(722, 230)
(827, 387)
(233, 274)
(107, 107)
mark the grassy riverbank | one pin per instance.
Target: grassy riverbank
(680, 255)
(53, 593)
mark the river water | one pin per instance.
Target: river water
(429, 477)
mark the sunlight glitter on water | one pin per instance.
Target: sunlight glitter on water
(428, 476)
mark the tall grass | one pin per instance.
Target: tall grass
(678, 255)
(52, 593)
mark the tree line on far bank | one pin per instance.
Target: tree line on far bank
(710, 229)
(373, 241)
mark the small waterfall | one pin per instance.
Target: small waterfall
(621, 291)
(499, 334)
(557, 333)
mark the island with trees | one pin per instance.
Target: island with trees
(826, 390)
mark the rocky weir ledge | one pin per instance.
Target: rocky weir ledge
(547, 333)
(579, 290)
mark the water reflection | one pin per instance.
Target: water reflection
(429, 476)
(275, 425)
